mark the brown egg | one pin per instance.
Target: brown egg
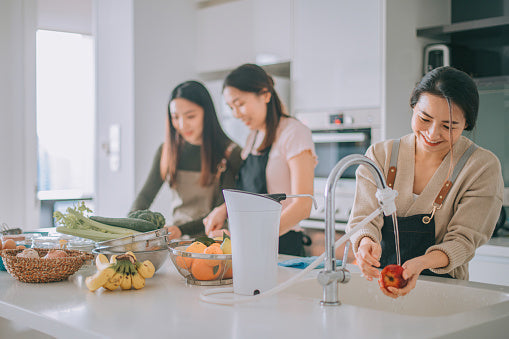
(20, 247)
(9, 244)
(53, 254)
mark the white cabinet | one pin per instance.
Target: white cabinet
(490, 265)
(337, 54)
(237, 32)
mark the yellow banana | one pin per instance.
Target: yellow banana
(113, 259)
(97, 280)
(126, 282)
(138, 281)
(114, 282)
(101, 262)
(146, 269)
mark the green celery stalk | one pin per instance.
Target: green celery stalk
(88, 233)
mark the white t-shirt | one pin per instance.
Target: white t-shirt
(292, 138)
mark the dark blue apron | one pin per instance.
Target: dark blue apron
(416, 232)
(252, 178)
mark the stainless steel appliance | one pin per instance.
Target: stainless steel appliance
(337, 134)
(436, 55)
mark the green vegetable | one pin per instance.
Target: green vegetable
(205, 240)
(139, 225)
(154, 217)
(76, 223)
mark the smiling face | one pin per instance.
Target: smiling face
(187, 118)
(430, 123)
(249, 107)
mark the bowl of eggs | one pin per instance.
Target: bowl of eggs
(41, 265)
(11, 242)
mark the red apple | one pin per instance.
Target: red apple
(392, 276)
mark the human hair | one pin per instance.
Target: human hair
(252, 78)
(214, 140)
(453, 85)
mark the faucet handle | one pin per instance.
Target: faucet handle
(341, 276)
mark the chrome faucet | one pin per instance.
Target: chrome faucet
(330, 276)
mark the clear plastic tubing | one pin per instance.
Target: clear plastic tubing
(207, 296)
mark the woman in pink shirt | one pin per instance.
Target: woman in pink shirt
(279, 156)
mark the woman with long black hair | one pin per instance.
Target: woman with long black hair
(279, 155)
(197, 159)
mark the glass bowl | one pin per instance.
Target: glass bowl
(201, 268)
(157, 257)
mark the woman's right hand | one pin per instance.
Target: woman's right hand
(367, 257)
(173, 232)
(215, 220)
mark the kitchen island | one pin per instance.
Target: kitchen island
(169, 308)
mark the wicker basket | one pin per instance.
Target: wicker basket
(32, 270)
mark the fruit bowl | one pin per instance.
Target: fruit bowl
(201, 268)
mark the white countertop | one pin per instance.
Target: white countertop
(168, 307)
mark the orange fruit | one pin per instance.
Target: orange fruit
(212, 249)
(202, 271)
(195, 247)
(228, 267)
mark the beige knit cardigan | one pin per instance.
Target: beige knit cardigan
(468, 214)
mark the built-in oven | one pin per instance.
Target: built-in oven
(335, 135)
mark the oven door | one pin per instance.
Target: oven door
(333, 145)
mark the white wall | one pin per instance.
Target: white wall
(18, 207)
(144, 49)
(164, 56)
(65, 15)
(115, 103)
(403, 56)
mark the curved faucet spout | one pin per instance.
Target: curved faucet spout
(331, 290)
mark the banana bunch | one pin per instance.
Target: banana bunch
(122, 271)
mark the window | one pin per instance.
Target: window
(65, 118)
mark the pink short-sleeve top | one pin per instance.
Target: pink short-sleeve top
(292, 138)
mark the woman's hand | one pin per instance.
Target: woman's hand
(218, 233)
(173, 232)
(215, 220)
(411, 272)
(367, 257)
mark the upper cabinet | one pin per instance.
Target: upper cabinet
(477, 36)
(337, 54)
(235, 32)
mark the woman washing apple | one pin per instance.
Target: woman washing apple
(449, 189)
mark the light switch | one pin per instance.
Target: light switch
(114, 147)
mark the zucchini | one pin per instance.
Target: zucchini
(139, 225)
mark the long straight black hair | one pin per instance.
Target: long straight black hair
(252, 78)
(214, 139)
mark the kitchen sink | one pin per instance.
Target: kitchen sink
(432, 297)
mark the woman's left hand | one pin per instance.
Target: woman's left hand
(411, 272)
(173, 232)
(215, 220)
